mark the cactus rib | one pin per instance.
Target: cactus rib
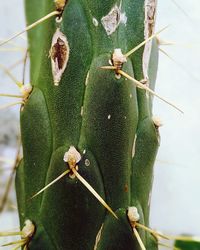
(106, 118)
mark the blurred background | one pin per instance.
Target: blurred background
(176, 190)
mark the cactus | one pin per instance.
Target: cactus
(95, 118)
(187, 243)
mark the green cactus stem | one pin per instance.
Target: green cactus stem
(103, 115)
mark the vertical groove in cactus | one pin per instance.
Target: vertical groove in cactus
(108, 120)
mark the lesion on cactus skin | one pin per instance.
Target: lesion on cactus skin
(113, 19)
(150, 15)
(59, 54)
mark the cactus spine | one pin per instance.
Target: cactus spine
(101, 114)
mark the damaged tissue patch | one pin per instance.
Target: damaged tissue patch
(112, 20)
(59, 54)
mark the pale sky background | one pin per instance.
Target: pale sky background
(176, 192)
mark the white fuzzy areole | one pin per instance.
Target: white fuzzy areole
(157, 121)
(113, 19)
(26, 90)
(149, 23)
(133, 214)
(118, 56)
(72, 155)
(57, 71)
(28, 230)
(98, 237)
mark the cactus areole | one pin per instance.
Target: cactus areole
(90, 120)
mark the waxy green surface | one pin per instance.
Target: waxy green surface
(100, 116)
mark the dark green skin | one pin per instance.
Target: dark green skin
(67, 216)
(187, 245)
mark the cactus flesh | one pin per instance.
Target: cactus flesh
(98, 112)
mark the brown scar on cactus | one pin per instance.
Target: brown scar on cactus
(59, 54)
(72, 158)
(150, 16)
(26, 234)
(113, 19)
